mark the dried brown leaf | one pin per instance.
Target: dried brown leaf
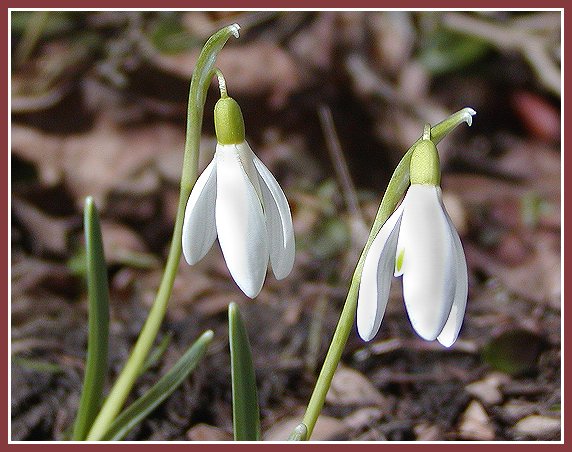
(393, 39)
(205, 432)
(537, 278)
(476, 424)
(487, 390)
(539, 427)
(315, 45)
(122, 245)
(46, 233)
(539, 117)
(104, 159)
(254, 69)
(350, 387)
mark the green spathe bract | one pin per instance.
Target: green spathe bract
(424, 167)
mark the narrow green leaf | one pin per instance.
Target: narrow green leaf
(246, 417)
(447, 51)
(38, 365)
(145, 404)
(97, 344)
(506, 352)
(156, 353)
(170, 36)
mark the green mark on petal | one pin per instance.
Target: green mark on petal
(399, 260)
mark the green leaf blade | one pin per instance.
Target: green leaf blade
(98, 336)
(145, 404)
(246, 415)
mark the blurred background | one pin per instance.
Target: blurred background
(331, 100)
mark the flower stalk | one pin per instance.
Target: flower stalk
(396, 188)
(200, 82)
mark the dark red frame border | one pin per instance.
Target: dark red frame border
(316, 4)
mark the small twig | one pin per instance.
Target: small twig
(248, 20)
(543, 66)
(27, 104)
(540, 22)
(372, 84)
(517, 388)
(396, 344)
(340, 164)
(314, 341)
(26, 345)
(357, 224)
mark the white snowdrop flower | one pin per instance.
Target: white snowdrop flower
(237, 199)
(419, 242)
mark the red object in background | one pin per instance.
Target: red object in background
(539, 117)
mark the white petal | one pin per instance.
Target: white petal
(428, 261)
(448, 336)
(199, 230)
(376, 277)
(240, 222)
(278, 222)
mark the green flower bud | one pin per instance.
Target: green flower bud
(424, 167)
(229, 124)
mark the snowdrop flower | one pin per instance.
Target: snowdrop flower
(238, 199)
(419, 242)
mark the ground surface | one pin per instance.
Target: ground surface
(98, 108)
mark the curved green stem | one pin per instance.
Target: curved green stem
(200, 82)
(395, 190)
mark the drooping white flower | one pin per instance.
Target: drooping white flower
(419, 242)
(237, 199)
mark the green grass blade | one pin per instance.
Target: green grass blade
(97, 344)
(246, 417)
(145, 404)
